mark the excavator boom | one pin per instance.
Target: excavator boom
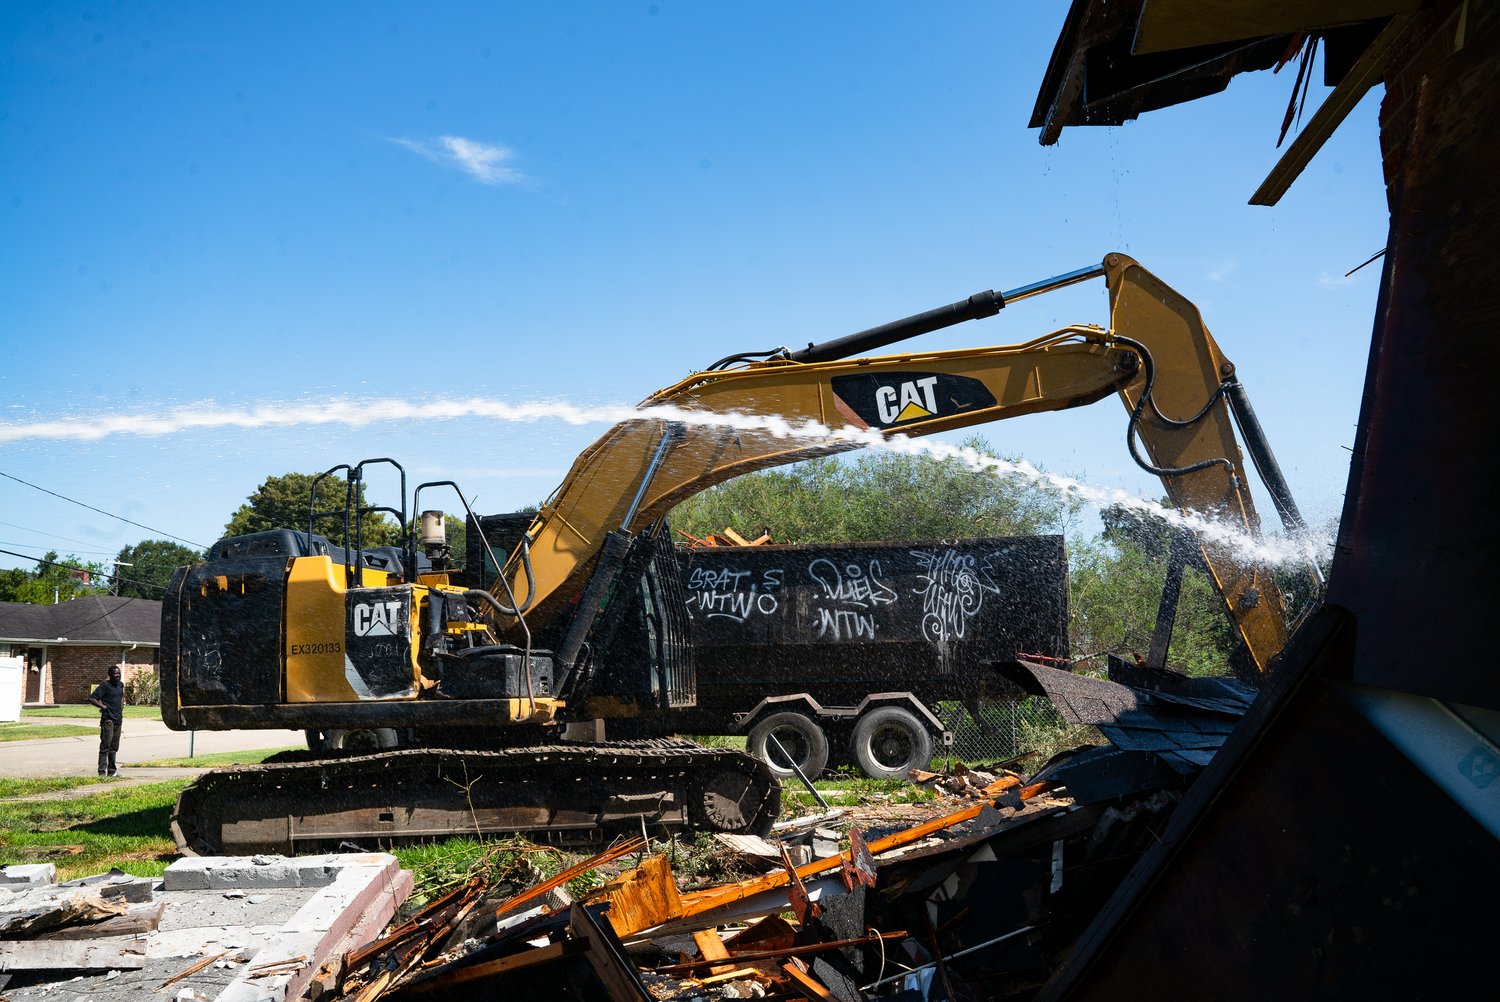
(1156, 354)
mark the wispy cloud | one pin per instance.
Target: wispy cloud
(484, 162)
(1328, 279)
(1223, 270)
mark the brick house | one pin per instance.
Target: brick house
(69, 647)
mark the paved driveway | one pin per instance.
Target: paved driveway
(143, 740)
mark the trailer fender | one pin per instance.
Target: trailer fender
(800, 702)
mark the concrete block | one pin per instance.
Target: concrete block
(29, 873)
(238, 875)
(129, 889)
(189, 873)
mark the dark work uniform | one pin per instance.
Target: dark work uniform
(111, 717)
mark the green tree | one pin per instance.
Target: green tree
(876, 495)
(1115, 586)
(145, 567)
(1114, 592)
(282, 503)
(55, 579)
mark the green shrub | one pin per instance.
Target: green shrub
(143, 688)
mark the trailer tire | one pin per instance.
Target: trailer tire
(889, 742)
(354, 739)
(799, 735)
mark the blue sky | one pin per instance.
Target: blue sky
(210, 207)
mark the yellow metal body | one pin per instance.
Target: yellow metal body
(317, 668)
(645, 463)
(315, 641)
(1189, 369)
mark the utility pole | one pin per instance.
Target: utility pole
(115, 590)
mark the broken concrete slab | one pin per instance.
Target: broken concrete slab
(28, 873)
(251, 929)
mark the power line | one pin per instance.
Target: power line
(101, 511)
(54, 535)
(86, 570)
(71, 549)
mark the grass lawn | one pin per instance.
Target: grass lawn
(87, 711)
(218, 758)
(22, 731)
(47, 784)
(128, 828)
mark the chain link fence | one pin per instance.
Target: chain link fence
(1029, 727)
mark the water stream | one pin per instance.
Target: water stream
(1275, 549)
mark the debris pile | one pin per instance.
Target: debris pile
(984, 900)
(233, 928)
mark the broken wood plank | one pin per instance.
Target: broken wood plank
(48, 909)
(125, 953)
(806, 983)
(697, 902)
(490, 968)
(711, 948)
(641, 898)
(734, 974)
(791, 951)
(606, 955)
(770, 933)
(750, 849)
(192, 969)
(140, 918)
(609, 855)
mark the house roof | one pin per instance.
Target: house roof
(98, 619)
(1115, 59)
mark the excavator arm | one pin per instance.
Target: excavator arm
(751, 415)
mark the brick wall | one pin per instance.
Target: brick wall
(72, 672)
(1431, 39)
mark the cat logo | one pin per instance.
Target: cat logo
(908, 402)
(378, 619)
(883, 400)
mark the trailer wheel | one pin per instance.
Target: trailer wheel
(801, 738)
(357, 739)
(889, 742)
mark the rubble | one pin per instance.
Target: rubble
(262, 928)
(983, 900)
(983, 897)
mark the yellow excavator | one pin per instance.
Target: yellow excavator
(503, 675)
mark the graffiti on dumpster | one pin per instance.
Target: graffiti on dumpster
(733, 594)
(952, 586)
(848, 597)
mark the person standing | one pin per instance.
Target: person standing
(109, 697)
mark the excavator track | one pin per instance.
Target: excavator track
(565, 793)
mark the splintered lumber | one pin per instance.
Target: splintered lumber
(641, 898)
(806, 983)
(698, 902)
(491, 968)
(49, 909)
(770, 933)
(790, 951)
(140, 918)
(193, 968)
(630, 845)
(124, 953)
(751, 849)
(712, 949)
(735, 974)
